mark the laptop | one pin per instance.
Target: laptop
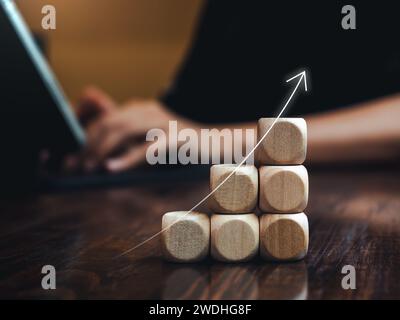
(35, 115)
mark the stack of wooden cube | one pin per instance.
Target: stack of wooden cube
(234, 233)
(283, 189)
(234, 224)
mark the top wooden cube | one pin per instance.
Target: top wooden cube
(286, 143)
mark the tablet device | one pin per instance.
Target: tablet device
(34, 111)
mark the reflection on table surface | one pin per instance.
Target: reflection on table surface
(354, 219)
(277, 281)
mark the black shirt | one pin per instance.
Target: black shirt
(245, 50)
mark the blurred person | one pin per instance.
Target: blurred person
(234, 74)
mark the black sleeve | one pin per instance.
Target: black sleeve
(231, 64)
(196, 91)
(243, 51)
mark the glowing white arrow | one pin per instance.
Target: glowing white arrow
(301, 77)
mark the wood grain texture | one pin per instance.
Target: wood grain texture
(283, 237)
(239, 194)
(283, 189)
(286, 143)
(353, 214)
(234, 238)
(187, 236)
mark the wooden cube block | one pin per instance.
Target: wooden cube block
(238, 194)
(283, 237)
(188, 237)
(286, 143)
(283, 189)
(234, 238)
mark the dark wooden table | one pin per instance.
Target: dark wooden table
(354, 220)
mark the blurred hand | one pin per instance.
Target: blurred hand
(116, 136)
(93, 105)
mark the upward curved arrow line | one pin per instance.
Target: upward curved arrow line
(302, 76)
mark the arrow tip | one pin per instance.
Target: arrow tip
(303, 76)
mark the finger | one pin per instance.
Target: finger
(102, 138)
(94, 102)
(97, 131)
(98, 99)
(110, 143)
(108, 134)
(130, 159)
